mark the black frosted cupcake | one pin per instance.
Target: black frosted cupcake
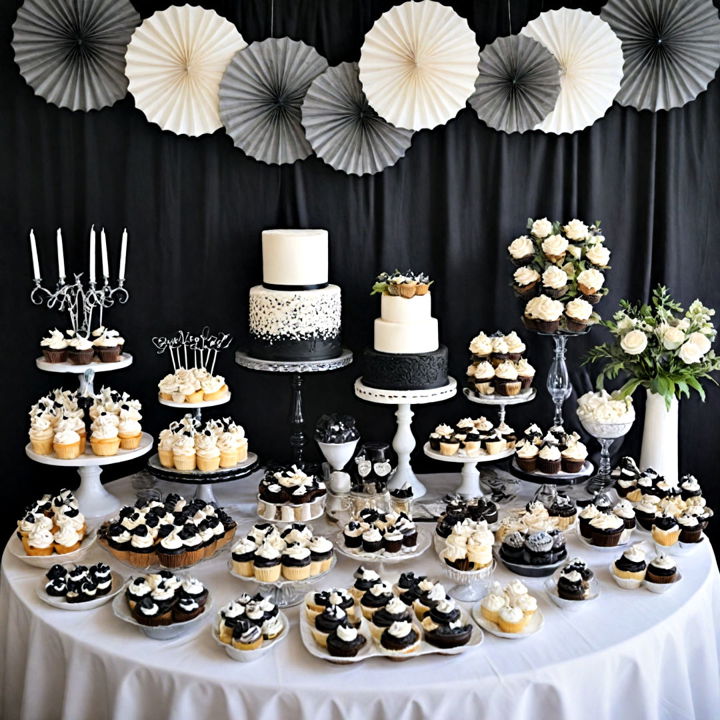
(400, 637)
(661, 570)
(392, 540)
(345, 641)
(446, 636)
(372, 540)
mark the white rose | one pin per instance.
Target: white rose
(672, 338)
(625, 324)
(595, 239)
(575, 251)
(576, 230)
(684, 324)
(634, 342)
(700, 341)
(598, 255)
(690, 353)
(541, 228)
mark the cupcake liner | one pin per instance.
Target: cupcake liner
(55, 356)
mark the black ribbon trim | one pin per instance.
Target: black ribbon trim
(290, 288)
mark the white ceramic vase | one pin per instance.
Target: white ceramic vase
(660, 436)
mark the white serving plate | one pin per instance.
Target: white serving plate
(118, 582)
(423, 543)
(535, 624)
(372, 649)
(572, 605)
(160, 632)
(282, 580)
(252, 655)
(196, 405)
(96, 366)
(45, 562)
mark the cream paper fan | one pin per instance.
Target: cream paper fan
(174, 65)
(591, 66)
(418, 64)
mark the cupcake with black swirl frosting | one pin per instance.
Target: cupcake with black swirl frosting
(661, 570)
(394, 611)
(446, 635)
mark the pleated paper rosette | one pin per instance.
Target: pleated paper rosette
(671, 50)
(72, 52)
(342, 128)
(175, 61)
(261, 94)
(518, 84)
(418, 64)
(591, 66)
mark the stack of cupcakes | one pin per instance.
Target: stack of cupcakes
(102, 345)
(498, 366)
(165, 599)
(289, 495)
(471, 438)
(80, 584)
(248, 622)
(560, 274)
(377, 533)
(550, 453)
(192, 385)
(510, 608)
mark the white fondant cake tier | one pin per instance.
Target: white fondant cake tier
(296, 258)
(406, 338)
(396, 309)
(294, 314)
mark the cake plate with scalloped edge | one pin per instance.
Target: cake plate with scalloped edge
(404, 441)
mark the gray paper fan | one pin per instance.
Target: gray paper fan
(260, 97)
(72, 52)
(671, 50)
(517, 85)
(344, 131)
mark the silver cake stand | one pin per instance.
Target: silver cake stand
(296, 370)
(404, 441)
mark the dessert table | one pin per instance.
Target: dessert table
(626, 654)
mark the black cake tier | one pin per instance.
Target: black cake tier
(291, 350)
(417, 371)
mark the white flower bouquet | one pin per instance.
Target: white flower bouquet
(660, 346)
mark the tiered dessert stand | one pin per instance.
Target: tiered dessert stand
(404, 442)
(203, 481)
(79, 300)
(501, 489)
(296, 370)
(94, 500)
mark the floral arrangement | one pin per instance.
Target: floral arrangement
(661, 346)
(407, 284)
(563, 264)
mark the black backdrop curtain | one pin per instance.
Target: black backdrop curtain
(195, 208)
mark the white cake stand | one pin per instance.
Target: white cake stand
(501, 401)
(404, 442)
(86, 372)
(470, 485)
(197, 407)
(93, 498)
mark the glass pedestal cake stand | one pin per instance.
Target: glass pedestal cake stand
(404, 441)
(503, 489)
(94, 500)
(203, 481)
(605, 434)
(470, 485)
(296, 370)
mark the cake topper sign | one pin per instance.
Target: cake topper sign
(205, 345)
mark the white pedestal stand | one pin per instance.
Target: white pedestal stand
(470, 485)
(196, 408)
(94, 500)
(404, 442)
(92, 497)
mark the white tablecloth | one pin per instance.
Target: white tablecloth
(629, 654)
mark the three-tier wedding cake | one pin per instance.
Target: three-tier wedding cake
(406, 353)
(295, 313)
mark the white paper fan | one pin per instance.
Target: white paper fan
(418, 64)
(175, 61)
(591, 66)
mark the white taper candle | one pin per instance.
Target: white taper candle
(61, 256)
(103, 250)
(123, 254)
(33, 250)
(92, 254)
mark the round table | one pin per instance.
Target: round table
(627, 654)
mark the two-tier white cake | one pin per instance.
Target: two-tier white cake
(406, 353)
(295, 313)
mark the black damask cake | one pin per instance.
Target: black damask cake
(295, 313)
(406, 354)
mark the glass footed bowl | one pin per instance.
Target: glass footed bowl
(469, 585)
(607, 430)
